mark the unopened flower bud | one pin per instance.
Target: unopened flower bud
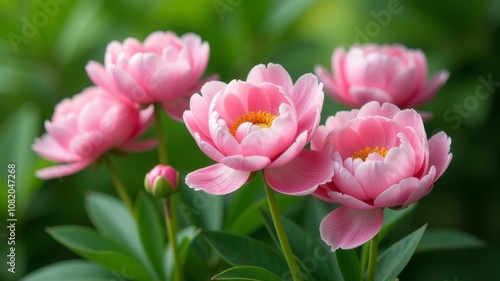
(161, 181)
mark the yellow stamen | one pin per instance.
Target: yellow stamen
(363, 153)
(263, 119)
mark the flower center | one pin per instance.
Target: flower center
(363, 153)
(263, 119)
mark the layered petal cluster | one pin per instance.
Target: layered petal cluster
(385, 73)
(165, 68)
(88, 125)
(262, 123)
(382, 158)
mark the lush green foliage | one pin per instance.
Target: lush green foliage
(42, 64)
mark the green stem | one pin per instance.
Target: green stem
(120, 188)
(280, 230)
(162, 150)
(365, 250)
(372, 262)
(171, 232)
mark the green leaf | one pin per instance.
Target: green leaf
(17, 133)
(314, 256)
(391, 218)
(112, 219)
(151, 232)
(393, 260)
(348, 262)
(203, 209)
(246, 273)
(447, 239)
(184, 239)
(239, 250)
(90, 245)
(70, 270)
(241, 200)
(250, 219)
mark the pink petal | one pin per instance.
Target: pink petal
(100, 77)
(129, 88)
(397, 194)
(308, 97)
(349, 201)
(403, 86)
(327, 79)
(430, 90)
(274, 73)
(423, 188)
(348, 228)
(301, 175)
(439, 153)
(221, 137)
(208, 148)
(48, 148)
(171, 81)
(347, 183)
(322, 192)
(362, 95)
(375, 177)
(59, 171)
(217, 179)
(176, 108)
(246, 163)
(292, 151)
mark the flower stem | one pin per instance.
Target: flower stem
(120, 188)
(280, 230)
(365, 250)
(171, 232)
(372, 261)
(162, 150)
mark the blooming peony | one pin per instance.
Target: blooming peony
(387, 73)
(262, 123)
(165, 68)
(85, 127)
(382, 158)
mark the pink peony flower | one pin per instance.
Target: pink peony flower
(387, 73)
(165, 68)
(382, 158)
(262, 123)
(85, 127)
(161, 181)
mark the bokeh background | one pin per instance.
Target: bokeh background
(42, 64)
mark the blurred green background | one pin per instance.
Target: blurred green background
(43, 64)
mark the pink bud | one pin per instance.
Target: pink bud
(161, 181)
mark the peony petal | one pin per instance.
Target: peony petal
(301, 175)
(403, 86)
(423, 188)
(376, 176)
(246, 163)
(48, 148)
(292, 151)
(363, 94)
(100, 77)
(59, 171)
(273, 73)
(217, 179)
(348, 228)
(307, 96)
(129, 87)
(430, 90)
(176, 108)
(439, 153)
(397, 194)
(349, 201)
